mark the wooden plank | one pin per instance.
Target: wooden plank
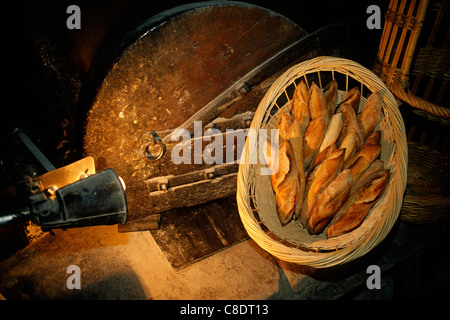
(171, 181)
(170, 73)
(191, 194)
(151, 222)
(241, 87)
(191, 234)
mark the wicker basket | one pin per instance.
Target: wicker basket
(413, 54)
(256, 199)
(427, 194)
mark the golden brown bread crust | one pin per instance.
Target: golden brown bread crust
(330, 202)
(320, 157)
(284, 124)
(373, 139)
(352, 98)
(331, 91)
(288, 182)
(296, 140)
(299, 106)
(376, 166)
(364, 158)
(325, 173)
(314, 167)
(371, 114)
(317, 127)
(285, 182)
(333, 131)
(286, 198)
(317, 103)
(282, 167)
(357, 206)
(313, 139)
(351, 137)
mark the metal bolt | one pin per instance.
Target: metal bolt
(244, 89)
(52, 190)
(211, 174)
(163, 185)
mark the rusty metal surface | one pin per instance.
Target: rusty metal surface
(166, 76)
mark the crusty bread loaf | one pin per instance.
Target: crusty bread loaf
(377, 165)
(279, 169)
(330, 202)
(333, 131)
(364, 158)
(285, 182)
(320, 157)
(314, 167)
(313, 139)
(317, 103)
(299, 106)
(317, 127)
(370, 114)
(373, 139)
(326, 172)
(284, 124)
(331, 91)
(357, 206)
(352, 98)
(296, 139)
(351, 137)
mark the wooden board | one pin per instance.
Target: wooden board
(191, 234)
(166, 76)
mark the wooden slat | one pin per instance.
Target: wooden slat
(190, 234)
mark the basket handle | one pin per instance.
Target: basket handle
(417, 102)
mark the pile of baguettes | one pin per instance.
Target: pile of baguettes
(329, 175)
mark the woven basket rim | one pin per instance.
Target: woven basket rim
(352, 250)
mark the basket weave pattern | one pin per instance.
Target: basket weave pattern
(427, 194)
(256, 199)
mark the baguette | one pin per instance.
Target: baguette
(351, 137)
(312, 140)
(279, 169)
(284, 124)
(317, 127)
(376, 166)
(285, 182)
(333, 131)
(296, 140)
(330, 202)
(317, 103)
(331, 91)
(357, 206)
(314, 167)
(373, 139)
(299, 106)
(325, 173)
(364, 158)
(320, 158)
(352, 98)
(370, 114)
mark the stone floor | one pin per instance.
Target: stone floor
(130, 265)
